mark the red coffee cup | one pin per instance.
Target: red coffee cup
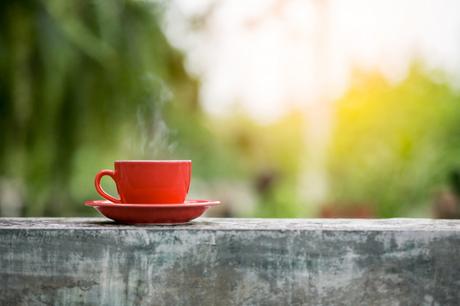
(148, 181)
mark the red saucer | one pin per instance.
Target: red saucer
(152, 213)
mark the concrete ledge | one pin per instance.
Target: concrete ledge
(230, 262)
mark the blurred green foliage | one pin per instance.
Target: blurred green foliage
(395, 146)
(80, 82)
(84, 83)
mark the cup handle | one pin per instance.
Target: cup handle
(97, 184)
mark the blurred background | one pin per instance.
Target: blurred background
(314, 108)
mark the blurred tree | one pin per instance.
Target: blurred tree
(394, 145)
(75, 76)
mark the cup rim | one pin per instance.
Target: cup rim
(152, 161)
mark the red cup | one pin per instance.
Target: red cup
(148, 181)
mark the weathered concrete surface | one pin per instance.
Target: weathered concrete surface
(230, 262)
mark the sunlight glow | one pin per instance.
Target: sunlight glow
(270, 56)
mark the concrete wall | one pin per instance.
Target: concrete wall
(230, 262)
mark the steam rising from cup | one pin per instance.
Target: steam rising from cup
(154, 138)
